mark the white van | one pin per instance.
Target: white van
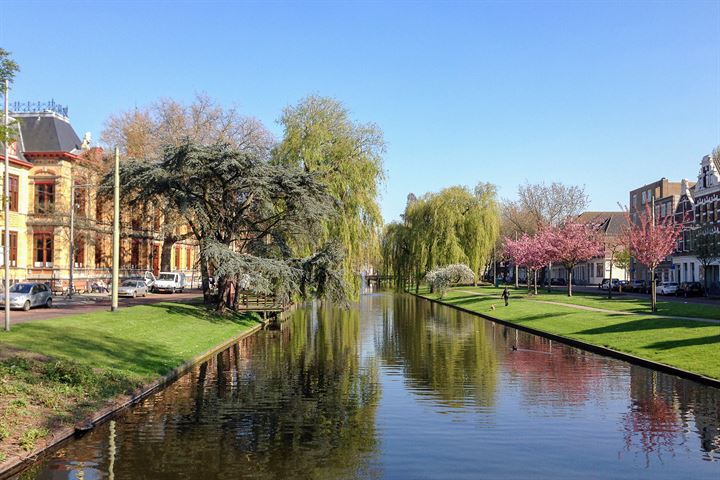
(170, 282)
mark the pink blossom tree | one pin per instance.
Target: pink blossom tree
(572, 244)
(651, 241)
(530, 252)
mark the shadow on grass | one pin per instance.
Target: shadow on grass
(138, 356)
(688, 342)
(645, 324)
(202, 312)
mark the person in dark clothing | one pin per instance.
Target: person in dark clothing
(506, 295)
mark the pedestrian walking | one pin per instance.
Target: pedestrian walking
(506, 295)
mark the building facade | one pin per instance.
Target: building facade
(702, 217)
(610, 226)
(662, 195)
(52, 171)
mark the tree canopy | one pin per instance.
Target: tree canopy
(347, 157)
(245, 213)
(455, 225)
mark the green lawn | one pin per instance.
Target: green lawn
(54, 372)
(618, 302)
(690, 345)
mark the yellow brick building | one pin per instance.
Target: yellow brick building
(49, 164)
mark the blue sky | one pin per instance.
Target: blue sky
(610, 95)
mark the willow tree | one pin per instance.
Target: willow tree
(455, 225)
(321, 138)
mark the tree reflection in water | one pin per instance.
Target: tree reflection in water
(295, 403)
(444, 356)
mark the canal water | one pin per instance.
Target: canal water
(397, 387)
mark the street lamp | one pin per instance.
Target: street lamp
(71, 288)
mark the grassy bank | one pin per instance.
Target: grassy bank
(55, 372)
(690, 345)
(618, 302)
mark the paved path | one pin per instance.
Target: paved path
(63, 306)
(601, 310)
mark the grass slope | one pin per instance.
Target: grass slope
(686, 344)
(54, 372)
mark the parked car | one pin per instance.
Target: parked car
(620, 286)
(690, 289)
(148, 278)
(639, 286)
(605, 284)
(667, 288)
(170, 282)
(133, 288)
(28, 295)
(558, 281)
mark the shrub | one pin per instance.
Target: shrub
(442, 278)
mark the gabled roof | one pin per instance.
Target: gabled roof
(608, 223)
(46, 132)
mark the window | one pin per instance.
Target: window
(79, 252)
(14, 186)
(599, 270)
(99, 206)
(98, 252)
(643, 198)
(188, 258)
(80, 201)
(13, 249)
(177, 257)
(44, 197)
(135, 254)
(43, 246)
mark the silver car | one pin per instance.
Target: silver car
(28, 295)
(133, 288)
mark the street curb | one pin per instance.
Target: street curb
(679, 372)
(13, 466)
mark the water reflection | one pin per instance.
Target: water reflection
(397, 387)
(442, 355)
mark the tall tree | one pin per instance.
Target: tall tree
(321, 138)
(651, 241)
(245, 213)
(8, 70)
(144, 133)
(572, 244)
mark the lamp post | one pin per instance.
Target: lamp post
(116, 233)
(6, 204)
(71, 288)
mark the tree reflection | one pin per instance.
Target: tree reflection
(295, 403)
(663, 408)
(442, 351)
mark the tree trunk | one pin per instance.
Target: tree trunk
(549, 279)
(610, 285)
(527, 278)
(570, 273)
(167, 245)
(535, 281)
(517, 280)
(205, 274)
(653, 291)
(222, 294)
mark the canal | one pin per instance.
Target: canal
(397, 387)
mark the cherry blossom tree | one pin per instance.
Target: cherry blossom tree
(533, 253)
(572, 244)
(651, 241)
